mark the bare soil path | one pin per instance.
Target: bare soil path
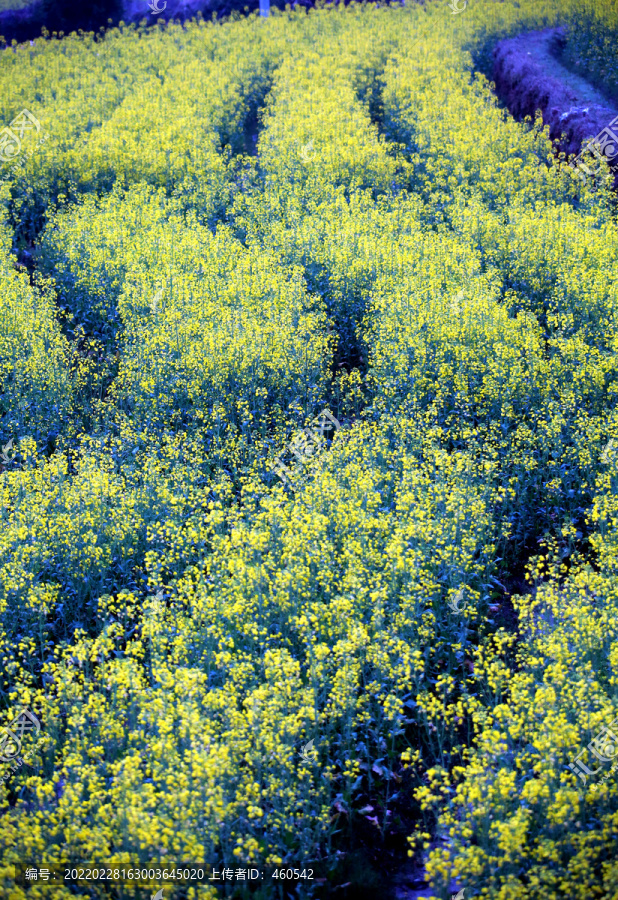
(529, 76)
(538, 45)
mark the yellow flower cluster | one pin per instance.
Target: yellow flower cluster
(236, 226)
(38, 387)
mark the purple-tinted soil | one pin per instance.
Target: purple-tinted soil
(529, 77)
(17, 23)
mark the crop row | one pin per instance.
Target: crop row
(399, 250)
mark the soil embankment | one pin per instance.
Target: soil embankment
(529, 76)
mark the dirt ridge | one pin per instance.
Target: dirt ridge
(529, 76)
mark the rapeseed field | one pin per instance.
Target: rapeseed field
(309, 468)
